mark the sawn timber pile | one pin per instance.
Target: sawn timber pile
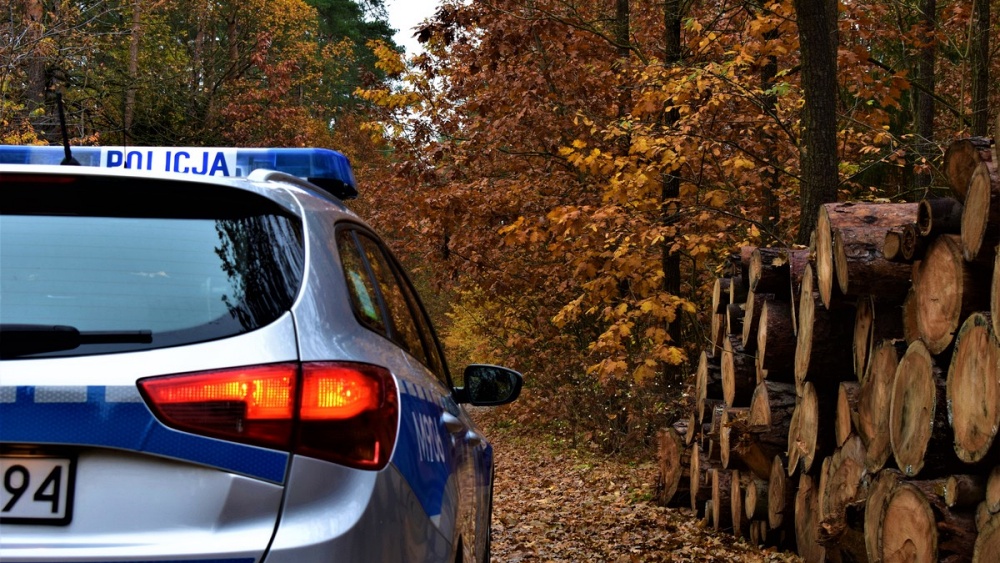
(849, 404)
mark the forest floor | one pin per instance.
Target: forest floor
(553, 503)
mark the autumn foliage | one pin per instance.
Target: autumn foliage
(560, 176)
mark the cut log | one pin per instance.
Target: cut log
(827, 333)
(964, 491)
(739, 373)
(700, 487)
(981, 216)
(918, 415)
(862, 252)
(911, 331)
(982, 516)
(908, 527)
(669, 453)
(843, 487)
(755, 499)
(740, 523)
(734, 425)
(960, 161)
(734, 320)
(776, 341)
(718, 334)
(973, 390)
(939, 216)
(987, 545)
(860, 266)
(721, 511)
(892, 246)
(914, 246)
(995, 294)
(875, 507)
(848, 397)
(947, 290)
(707, 383)
(874, 321)
(721, 295)
(780, 494)
(770, 272)
(993, 491)
(873, 404)
(815, 436)
(771, 407)
(807, 521)
(751, 319)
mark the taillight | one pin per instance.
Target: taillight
(341, 412)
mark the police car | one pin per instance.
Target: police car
(206, 357)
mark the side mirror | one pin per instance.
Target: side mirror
(487, 386)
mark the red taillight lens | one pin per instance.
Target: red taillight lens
(347, 413)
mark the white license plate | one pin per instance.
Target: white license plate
(36, 489)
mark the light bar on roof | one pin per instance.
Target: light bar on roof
(327, 169)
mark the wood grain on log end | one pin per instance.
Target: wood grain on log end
(973, 388)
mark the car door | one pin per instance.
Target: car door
(440, 466)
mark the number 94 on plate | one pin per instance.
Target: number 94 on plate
(36, 489)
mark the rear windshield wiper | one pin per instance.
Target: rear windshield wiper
(26, 339)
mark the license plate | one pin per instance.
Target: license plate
(36, 489)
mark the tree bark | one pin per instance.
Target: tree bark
(979, 55)
(817, 25)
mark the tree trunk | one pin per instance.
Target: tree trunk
(756, 498)
(925, 94)
(740, 523)
(771, 406)
(875, 508)
(751, 319)
(979, 59)
(973, 390)
(700, 487)
(815, 434)
(817, 25)
(770, 272)
(842, 488)
(721, 503)
(707, 384)
(907, 530)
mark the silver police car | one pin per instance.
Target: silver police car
(206, 357)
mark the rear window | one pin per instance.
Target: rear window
(186, 262)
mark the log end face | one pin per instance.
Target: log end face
(973, 389)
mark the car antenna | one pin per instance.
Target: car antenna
(68, 160)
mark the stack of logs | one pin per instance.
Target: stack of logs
(849, 404)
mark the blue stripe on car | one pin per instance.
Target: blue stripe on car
(425, 465)
(111, 417)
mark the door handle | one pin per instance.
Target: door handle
(452, 423)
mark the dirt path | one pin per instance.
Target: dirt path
(555, 504)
